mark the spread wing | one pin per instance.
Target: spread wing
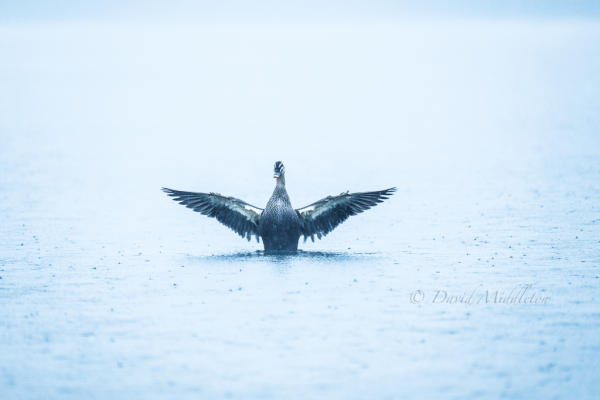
(325, 215)
(236, 214)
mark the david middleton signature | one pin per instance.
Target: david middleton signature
(520, 294)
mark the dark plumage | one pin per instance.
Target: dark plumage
(279, 225)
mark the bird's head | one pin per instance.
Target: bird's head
(278, 170)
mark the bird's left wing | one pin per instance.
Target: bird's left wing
(325, 215)
(241, 217)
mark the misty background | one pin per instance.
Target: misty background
(484, 114)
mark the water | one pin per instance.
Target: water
(489, 130)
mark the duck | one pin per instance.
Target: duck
(280, 225)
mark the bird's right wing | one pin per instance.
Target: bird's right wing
(325, 215)
(241, 217)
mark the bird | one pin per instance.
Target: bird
(280, 225)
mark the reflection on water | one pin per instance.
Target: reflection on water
(287, 256)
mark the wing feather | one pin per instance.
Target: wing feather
(241, 217)
(325, 215)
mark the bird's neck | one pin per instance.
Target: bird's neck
(281, 180)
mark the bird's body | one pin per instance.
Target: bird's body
(279, 224)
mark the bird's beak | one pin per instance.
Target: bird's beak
(276, 174)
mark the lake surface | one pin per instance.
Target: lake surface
(489, 130)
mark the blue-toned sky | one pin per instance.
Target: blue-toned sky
(68, 10)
